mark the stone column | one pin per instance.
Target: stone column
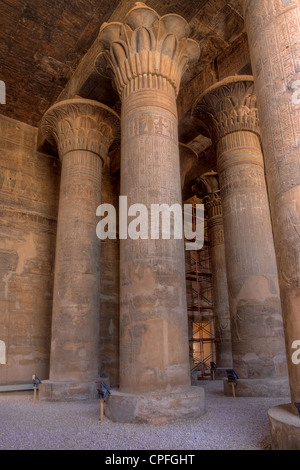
(82, 130)
(207, 186)
(273, 30)
(148, 55)
(229, 111)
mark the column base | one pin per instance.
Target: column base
(285, 428)
(155, 408)
(270, 387)
(67, 391)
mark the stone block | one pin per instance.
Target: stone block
(269, 387)
(67, 391)
(285, 428)
(156, 408)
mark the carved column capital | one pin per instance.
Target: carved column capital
(227, 107)
(188, 160)
(207, 186)
(80, 124)
(147, 51)
(213, 205)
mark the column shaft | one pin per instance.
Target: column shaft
(82, 130)
(207, 187)
(273, 30)
(148, 55)
(76, 299)
(229, 111)
(154, 337)
(251, 264)
(219, 283)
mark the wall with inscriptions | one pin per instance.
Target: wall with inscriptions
(29, 183)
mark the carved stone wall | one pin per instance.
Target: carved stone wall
(29, 188)
(29, 185)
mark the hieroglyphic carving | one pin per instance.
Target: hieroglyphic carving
(23, 218)
(148, 123)
(243, 179)
(273, 31)
(147, 51)
(150, 160)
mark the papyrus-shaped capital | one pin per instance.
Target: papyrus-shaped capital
(80, 124)
(147, 50)
(227, 107)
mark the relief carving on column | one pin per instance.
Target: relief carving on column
(265, 10)
(228, 107)
(81, 124)
(148, 51)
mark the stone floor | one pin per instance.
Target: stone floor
(229, 424)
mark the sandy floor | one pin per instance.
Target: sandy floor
(229, 424)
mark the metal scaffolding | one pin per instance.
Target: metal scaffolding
(200, 309)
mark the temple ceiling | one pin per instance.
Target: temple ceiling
(43, 43)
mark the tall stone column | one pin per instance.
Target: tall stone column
(273, 30)
(207, 186)
(230, 113)
(82, 130)
(148, 55)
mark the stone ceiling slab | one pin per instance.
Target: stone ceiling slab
(42, 42)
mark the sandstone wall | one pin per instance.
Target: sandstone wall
(29, 184)
(29, 194)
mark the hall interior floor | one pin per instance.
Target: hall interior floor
(228, 424)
